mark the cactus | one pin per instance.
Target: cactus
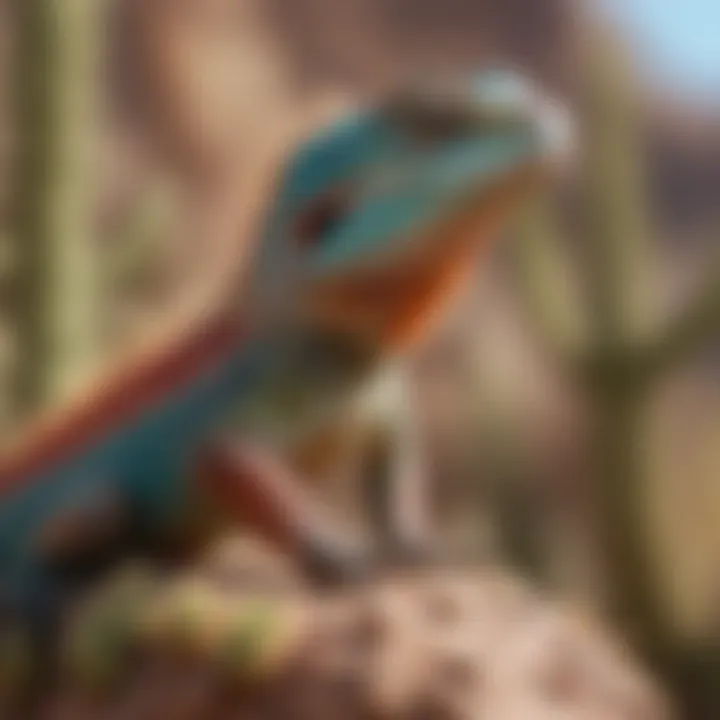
(55, 277)
(620, 354)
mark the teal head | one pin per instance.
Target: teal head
(379, 216)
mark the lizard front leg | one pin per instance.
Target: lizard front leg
(394, 477)
(253, 488)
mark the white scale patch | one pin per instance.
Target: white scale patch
(299, 397)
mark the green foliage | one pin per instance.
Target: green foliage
(97, 648)
(253, 631)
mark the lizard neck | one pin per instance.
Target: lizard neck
(297, 379)
(115, 399)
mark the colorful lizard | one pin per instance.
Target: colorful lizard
(374, 222)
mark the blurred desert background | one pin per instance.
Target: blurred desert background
(571, 404)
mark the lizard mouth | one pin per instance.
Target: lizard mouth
(396, 305)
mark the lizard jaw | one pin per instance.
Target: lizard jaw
(398, 304)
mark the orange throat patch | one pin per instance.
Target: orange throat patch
(399, 305)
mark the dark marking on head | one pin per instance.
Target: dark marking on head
(431, 113)
(321, 215)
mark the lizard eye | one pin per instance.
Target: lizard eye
(320, 217)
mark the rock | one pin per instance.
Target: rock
(435, 646)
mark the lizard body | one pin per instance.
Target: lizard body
(375, 222)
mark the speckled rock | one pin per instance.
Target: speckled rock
(434, 646)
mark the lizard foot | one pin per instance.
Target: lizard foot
(412, 555)
(330, 565)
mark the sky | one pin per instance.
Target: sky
(679, 40)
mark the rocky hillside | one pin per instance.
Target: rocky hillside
(358, 45)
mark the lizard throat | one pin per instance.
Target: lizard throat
(395, 306)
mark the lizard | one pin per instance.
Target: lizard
(373, 223)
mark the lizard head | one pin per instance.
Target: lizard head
(378, 217)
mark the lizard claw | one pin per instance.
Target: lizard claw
(329, 565)
(413, 556)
